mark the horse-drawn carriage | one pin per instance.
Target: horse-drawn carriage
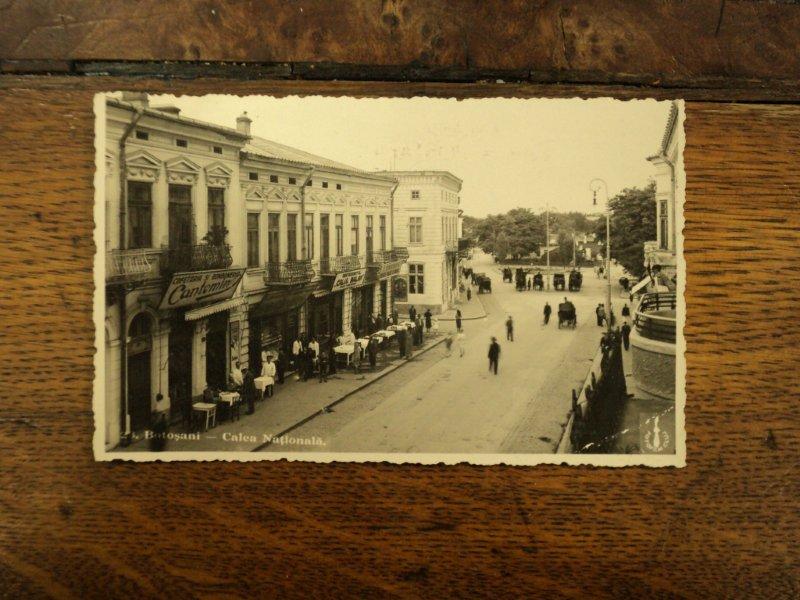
(508, 276)
(624, 283)
(519, 278)
(567, 315)
(559, 281)
(538, 282)
(575, 281)
(484, 283)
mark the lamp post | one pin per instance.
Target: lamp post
(594, 185)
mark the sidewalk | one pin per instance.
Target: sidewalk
(471, 310)
(294, 402)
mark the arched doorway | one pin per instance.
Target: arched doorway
(139, 391)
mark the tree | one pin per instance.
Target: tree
(565, 245)
(633, 222)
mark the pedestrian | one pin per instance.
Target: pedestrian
(436, 327)
(379, 322)
(372, 352)
(401, 341)
(626, 312)
(547, 311)
(469, 294)
(461, 338)
(249, 391)
(160, 425)
(297, 355)
(308, 364)
(280, 365)
(601, 314)
(412, 314)
(410, 343)
(458, 319)
(323, 367)
(268, 371)
(314, 345)
(625, 330)
(510, 329)
(494, 355)
(448, 343)
(613, 318)
(236, 378)
(395, 317)
(428, 316)
(356, 360)
(420, 331)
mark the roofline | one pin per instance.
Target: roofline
(338, 170)
(425, 172)
(153, 112)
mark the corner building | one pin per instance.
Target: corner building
(426, 221)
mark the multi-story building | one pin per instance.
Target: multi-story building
(426, 221)
(172, 208)
(662, 253)
(319, 248)
(219, 245)
(653, 339)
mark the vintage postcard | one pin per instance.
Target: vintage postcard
(423, 280)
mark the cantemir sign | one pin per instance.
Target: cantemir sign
(187, 289)
(348, 279)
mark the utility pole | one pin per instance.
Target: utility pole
(608, 246)
(547, 241)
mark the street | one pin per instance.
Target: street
(451, 404)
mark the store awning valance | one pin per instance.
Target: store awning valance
(205, 311)
(279, 302)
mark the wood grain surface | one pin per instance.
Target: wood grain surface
(725, 526)
(670, 42)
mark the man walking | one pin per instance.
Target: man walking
(249, 391)
(547, 310)
(458, 319)
(625, 330)
(494, 355)
(601, 314)
(510, 329)
(412, 314)
(428, 316)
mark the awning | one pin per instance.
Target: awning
(205, 311)
(280, 301)
(643, 283)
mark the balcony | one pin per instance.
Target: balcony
(382, 263)
(199, 257)
(128, 266)
(339, 264)
(401, 252)
(654, 318)
(290, 272)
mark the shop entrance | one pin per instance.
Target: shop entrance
(361, 309)
(217, 350)
(180, 366)
(139, 389)
(384, 296)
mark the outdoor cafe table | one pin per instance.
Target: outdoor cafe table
(263, 381)
(231, 399)
(209, 410)
(346, 350)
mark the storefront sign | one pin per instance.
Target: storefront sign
(348, 279)
(400, 289)
(187, 289)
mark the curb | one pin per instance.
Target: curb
(483, 308)
(325, 408)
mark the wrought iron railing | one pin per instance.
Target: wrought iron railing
(655, 316)
(401, 253)
(380, 257)
(339, 264)
(199, 257)
(132, 265)
(289, 272)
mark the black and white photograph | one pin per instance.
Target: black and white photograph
(405, 280)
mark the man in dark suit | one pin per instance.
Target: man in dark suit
(412, 314)
(249, 391)
(494, 355)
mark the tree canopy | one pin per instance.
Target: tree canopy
(633, 222)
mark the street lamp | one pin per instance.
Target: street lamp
(547, 241)
(594, 185)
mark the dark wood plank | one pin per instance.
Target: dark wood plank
(726, 525)
(674, 42)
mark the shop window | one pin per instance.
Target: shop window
(253, 258)
(140, 214)
(415, 230)
(416, 278)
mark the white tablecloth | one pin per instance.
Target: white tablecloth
(228, 397)
(387, 333)
(263, 382)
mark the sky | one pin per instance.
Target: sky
(508, 152)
